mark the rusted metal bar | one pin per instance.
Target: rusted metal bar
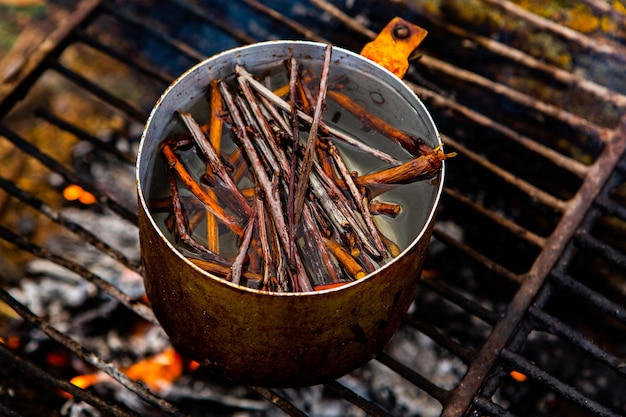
(17, 85)
(567, 391)
(600, 171)
(369, 407)
(46, 381)
(522, 58)
(90, 357)
(578, 123)
(137, 65)
(23, 243)
(468, 305)
(152, 29)
(591, 349)
(279, 17)
(550, 154)
(462, 352)
(75, 228)
(532, 191)
(605, 305)
(130, 109)
(69, 176)
(497, 219)
(219, 22)
(405, 372)
(48, 116)
(279, 401)
(606, 48)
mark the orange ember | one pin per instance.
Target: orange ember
(157, 372)
(75, 192)
(518, 376)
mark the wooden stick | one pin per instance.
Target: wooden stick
(346, 260)
(307, 160)
(379, 207)
(212, 205)
(359, 200)
(279, 102)
(270, 188)
(415, 145)
(222, 271)
(181, 229)
(217, 167)
(420, 168)
(215, 137)
(295, 138)
(234, 274)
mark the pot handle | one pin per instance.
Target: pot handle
(394, 45)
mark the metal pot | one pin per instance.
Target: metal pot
(281, 339)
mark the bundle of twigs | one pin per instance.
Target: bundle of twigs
(306, 223)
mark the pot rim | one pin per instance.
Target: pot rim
(234, 51)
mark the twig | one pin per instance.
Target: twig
(217, 167)
(359, 200)
(212, 205)
(416, 146)
(420, 168)
(279, 102)
(235, 270)
(181, 229)
(215, 137)
(307, 160)
(346, 260)
(379, 207)
(270, 188)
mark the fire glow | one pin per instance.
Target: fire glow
(157, 372)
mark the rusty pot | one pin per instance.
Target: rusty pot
(283, 339)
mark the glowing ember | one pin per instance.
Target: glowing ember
(518, 376)
(75, 192)
(157, 372)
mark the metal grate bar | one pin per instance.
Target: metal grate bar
(532, 191)
(290, 23)
(82, 135)
(559, 328)
(599, 174)
(462, 352)
(537, 148)
(599, 301)
(494, 410)
(17, 85)
(89, 357)
(69, 176)
(498, 220)
(466, 304)
(207, 16)
(476, 256)
(279, 401)
(559, 75)
(145, 70)
(38, 376)
(370, 408)
(127, 108)
(434, 391)
(151, 29)
(75, 228)
(517, 362)
(577, 123)
(597, 246)
(605, 48)
(23, 243)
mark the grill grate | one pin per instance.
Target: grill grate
(527, 267)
